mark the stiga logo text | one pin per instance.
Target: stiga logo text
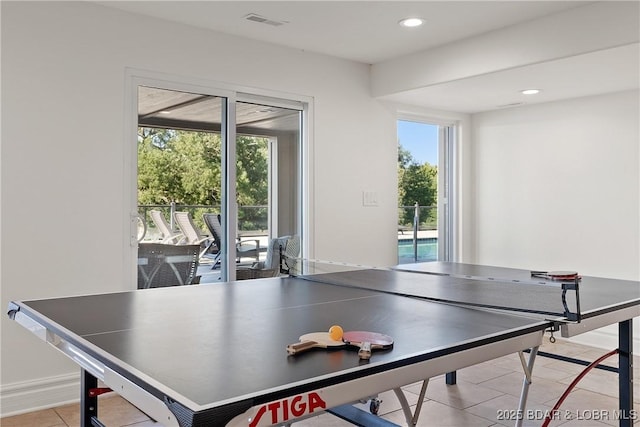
(284, 410)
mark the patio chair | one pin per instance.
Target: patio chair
(281, 251)
(270, 267)
(162, 265)
(244, 248)
(289, 253)
(163, 227)
(191, 233)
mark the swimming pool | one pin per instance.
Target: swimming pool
(427, 250)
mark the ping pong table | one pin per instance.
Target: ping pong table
(214, 355)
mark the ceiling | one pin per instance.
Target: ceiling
(368, 32)
(595, 73)
(188, 111)
(363, 31)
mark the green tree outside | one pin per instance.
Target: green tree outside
(417, 183)
(185, 167)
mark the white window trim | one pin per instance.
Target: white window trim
(137, 77)
(451, 250)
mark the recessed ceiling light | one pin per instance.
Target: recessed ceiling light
(530, 91)
(411, 22)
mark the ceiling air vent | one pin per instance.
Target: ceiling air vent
(261, 19)
(513, 104)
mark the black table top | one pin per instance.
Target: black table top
(598, 295)
(219, 343)
(213, 345)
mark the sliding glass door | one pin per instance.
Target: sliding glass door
(215, 169)
(268, 140)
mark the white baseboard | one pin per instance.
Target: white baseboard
(605, 338)
(43, 393)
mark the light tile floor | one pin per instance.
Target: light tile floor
(482, 397)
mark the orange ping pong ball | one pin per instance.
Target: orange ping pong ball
(335, 333)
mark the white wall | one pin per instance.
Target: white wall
(64, 158)
(557, 187)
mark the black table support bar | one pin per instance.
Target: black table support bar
(358, 417)
(574, 360)
(625, 363)
(88, 403)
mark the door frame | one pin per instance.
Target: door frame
(232, 93)
(448, 188)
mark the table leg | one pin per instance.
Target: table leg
(528, 370)
(412, 418)
(89, 401)
(88, 404)
(625, 372)
(451, 378)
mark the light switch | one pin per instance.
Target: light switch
(369, 198)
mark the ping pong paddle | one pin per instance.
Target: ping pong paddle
(314, 340)
(558, 276)
(367, 341)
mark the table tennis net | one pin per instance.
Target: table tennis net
(554, 301)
